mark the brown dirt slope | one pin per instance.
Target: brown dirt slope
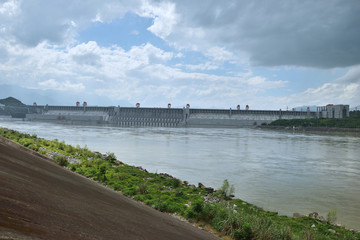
(41, 200)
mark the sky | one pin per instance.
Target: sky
(268, 54)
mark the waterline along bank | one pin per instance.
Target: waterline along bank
(232, 217)
(283, 171)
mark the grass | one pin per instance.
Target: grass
(228, 216)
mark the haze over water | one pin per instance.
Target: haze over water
(279, 171)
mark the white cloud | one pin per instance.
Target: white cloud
(38, 50)
(334, 93)
(62, 86)
(352, 76)
(164, 15)
(9, 8)
(86, 54)
(219, 54)
(262, 83)
(201, 66)
(97, 18)
(148, 53)
(57, 22)
(270, 33)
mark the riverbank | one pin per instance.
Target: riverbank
(231, 216)
(41, 200)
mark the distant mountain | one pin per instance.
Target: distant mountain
(10, 101)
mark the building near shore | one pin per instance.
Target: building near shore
(333, 111)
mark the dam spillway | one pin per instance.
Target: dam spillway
(161, 117)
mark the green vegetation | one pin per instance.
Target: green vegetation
(348, 122)
(228, 216)
(61, 160)
(332, 216)
(355, 113)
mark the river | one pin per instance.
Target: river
(280, 171)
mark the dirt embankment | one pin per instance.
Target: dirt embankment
(41, 200)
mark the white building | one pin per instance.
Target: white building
(333, 111)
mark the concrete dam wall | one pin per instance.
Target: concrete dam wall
(162, 117)
(239, 118)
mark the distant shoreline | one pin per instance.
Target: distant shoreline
(355, 131)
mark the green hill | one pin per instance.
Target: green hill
(10, 101)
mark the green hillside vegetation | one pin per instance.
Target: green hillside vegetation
(355, 113)
(228, 216)
(10, 101)
(349, 122)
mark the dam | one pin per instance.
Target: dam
(172, 117)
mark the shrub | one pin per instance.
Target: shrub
(227, 221)
(43, 151)
(111, 157)
(73, 168)
(34, 147)
(332, 216)
(61, 145)
(26, 142)
(226, 190)
(61, 160)
(70, 149)
(244, 233)
(196, 209)
(142, 188)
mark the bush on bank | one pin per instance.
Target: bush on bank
(228, 216)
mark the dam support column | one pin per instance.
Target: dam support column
(186, 114)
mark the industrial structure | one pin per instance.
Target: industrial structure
(170, 117)
(333, 111)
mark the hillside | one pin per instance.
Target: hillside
(41, 200)
(10, 101)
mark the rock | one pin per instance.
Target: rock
(313, 215)
(166, 175)
(297, 215)
(321, 218)
(192, 186)
(209, 190)
(332, 230)
(316, 216)
(313, 225)
(186, 183)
